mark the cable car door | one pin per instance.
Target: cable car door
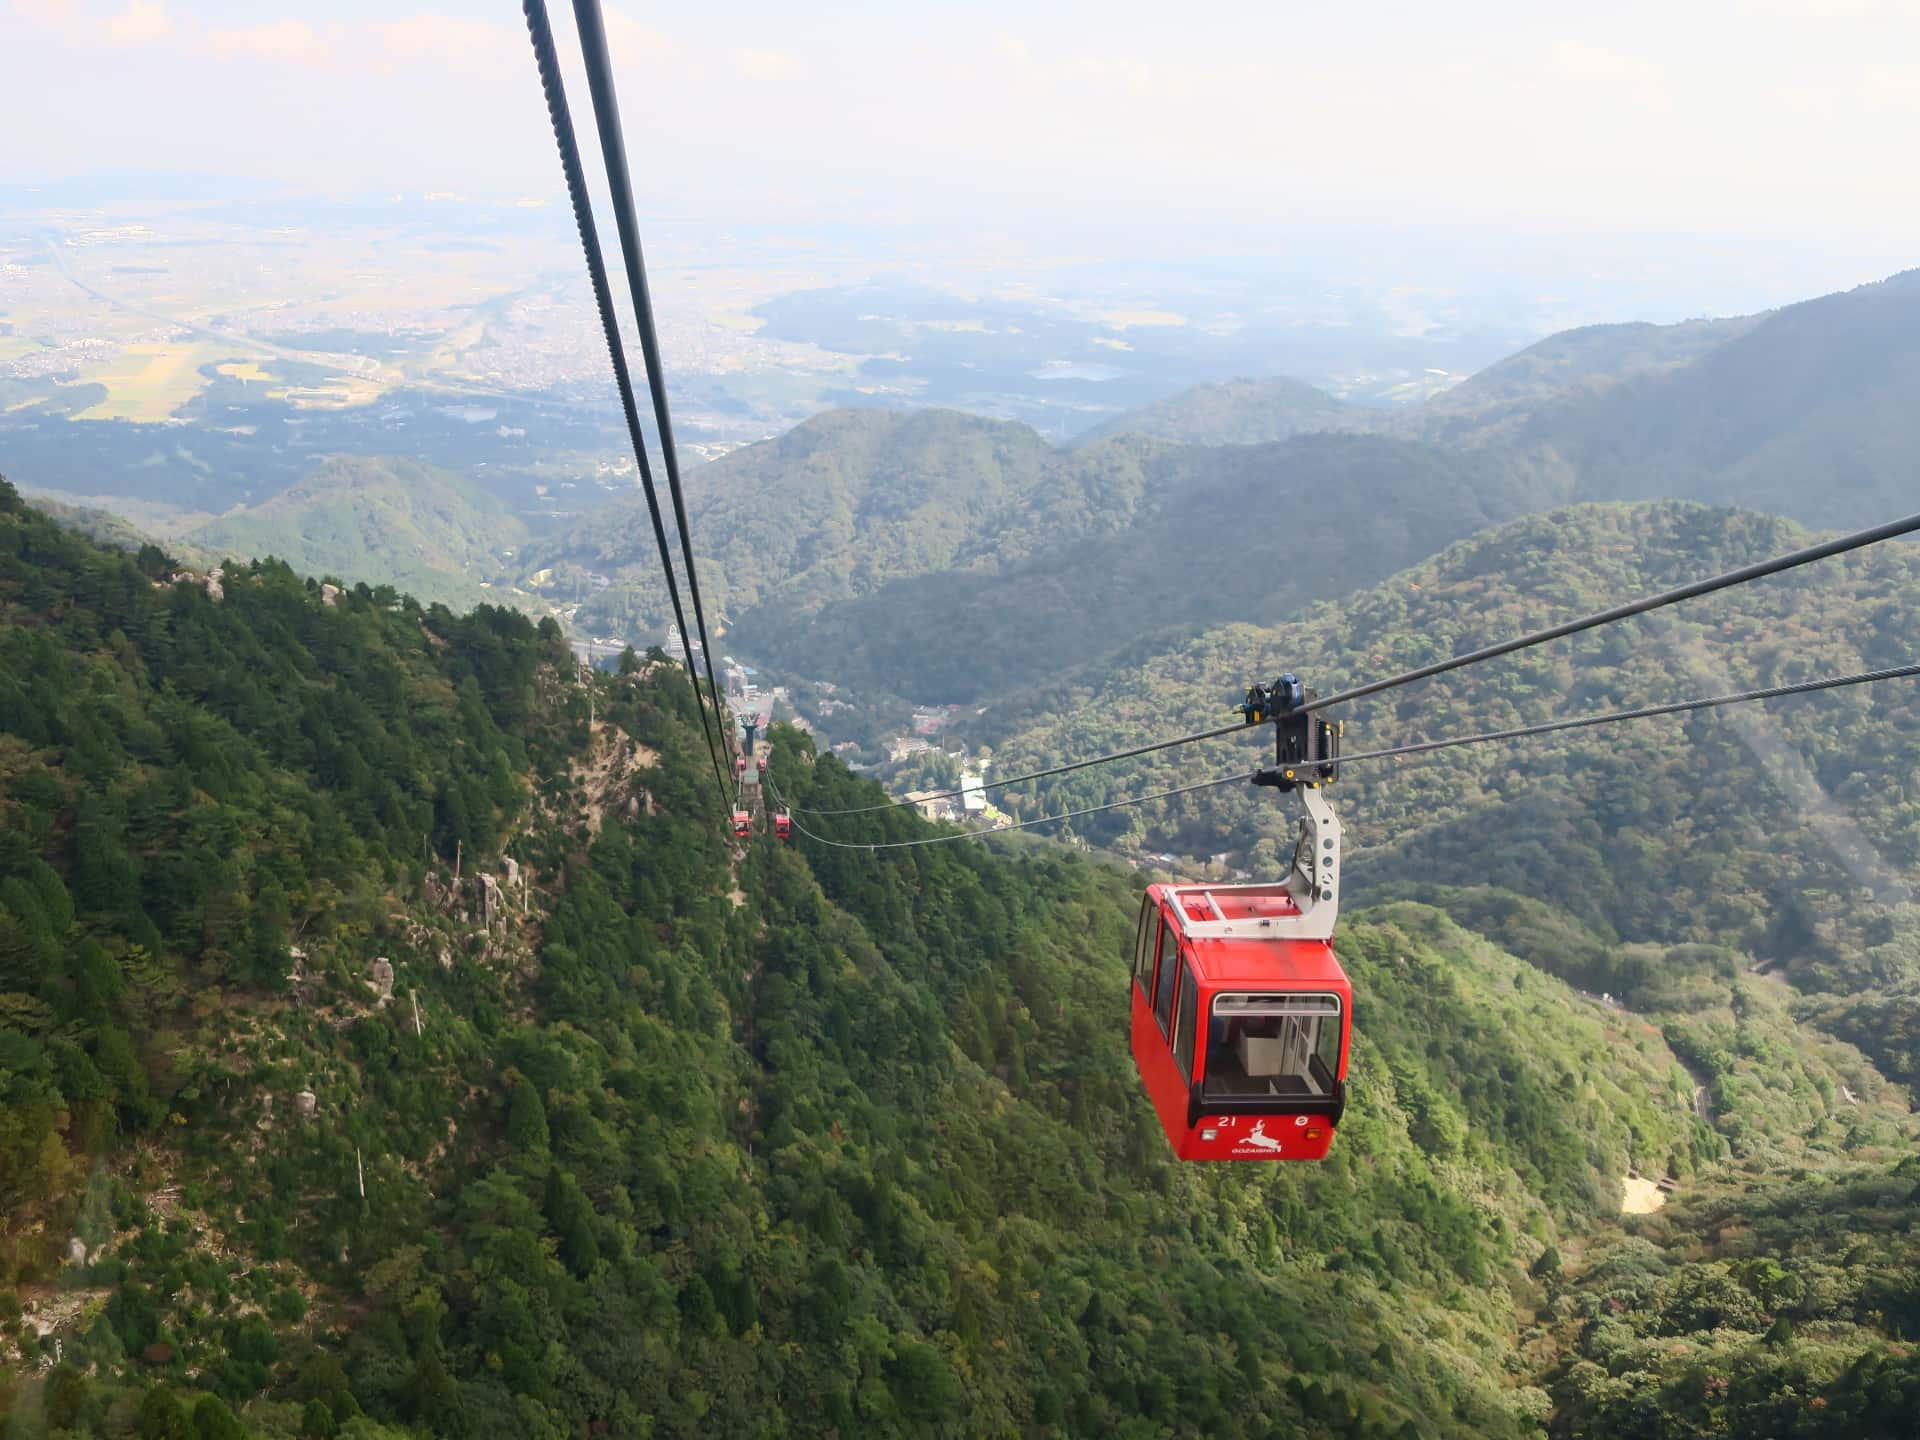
(1160, 972)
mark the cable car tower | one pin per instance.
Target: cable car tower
(1241, 1014)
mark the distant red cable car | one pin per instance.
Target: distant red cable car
(1241, 1014)
(742, 824)
(782, 825)
(740, 765)
(763, 765)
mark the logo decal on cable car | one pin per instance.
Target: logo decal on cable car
(1258, 1136)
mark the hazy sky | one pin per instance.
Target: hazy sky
(1745, 118)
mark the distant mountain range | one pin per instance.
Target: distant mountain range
(948, 557)
(1808, 411)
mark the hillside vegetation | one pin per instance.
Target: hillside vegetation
(378, 520)
(115, 531)
(1237, 412)
(680, 1138)
(1570, 365)
(1254, 533)
(944, 557)
(1689, 828)
(1786, 837)
(1808, 413)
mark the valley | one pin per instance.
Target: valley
(319, 1124)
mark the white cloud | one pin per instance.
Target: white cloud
(1013, 50)
(141, 23)
(446, 40)
(54, 14)
(288, 42)
(764, 64)
(631, 43)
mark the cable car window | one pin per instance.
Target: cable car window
(1326, 1053)
(1183, 1023)
(1163, 986)
(1273, 1045)
(1143, 951)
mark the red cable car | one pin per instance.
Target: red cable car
(740, 765)
(763, 765)
(1241, 1014)
(782, 825)
(742, 824)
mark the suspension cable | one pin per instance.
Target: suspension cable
(1742, 576)
(1245, 775)
(1643, 712)
(1731, 578)
(548, 60)
(1423, 747)
(613, 150)
(1239, 727)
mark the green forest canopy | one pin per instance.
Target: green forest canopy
(785, 1141)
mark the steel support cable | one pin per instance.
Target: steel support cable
(548, 60)
(1239, 728)
(1643, 712)
(1697, 588)
(1742, 576)
(1421, 747)
(613, 150)
(1017, 825)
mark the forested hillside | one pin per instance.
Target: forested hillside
(834, 507)
(1243, 533)
(1237, 412)
(114, 530)
(1786, 835)
(1808, 413)
(380, 520)
(1790, 832)
(939, 556)
(1572, 365)
(393, 1043)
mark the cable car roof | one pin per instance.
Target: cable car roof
(1224, 927)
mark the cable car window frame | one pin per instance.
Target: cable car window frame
(1164, 977)
(1327, 1050)
(1184, 1012)
(1322, 1008)
(1303, 1003)
(1145, 947)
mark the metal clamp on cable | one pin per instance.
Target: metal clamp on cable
(1269, 702)
(1306, 749)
